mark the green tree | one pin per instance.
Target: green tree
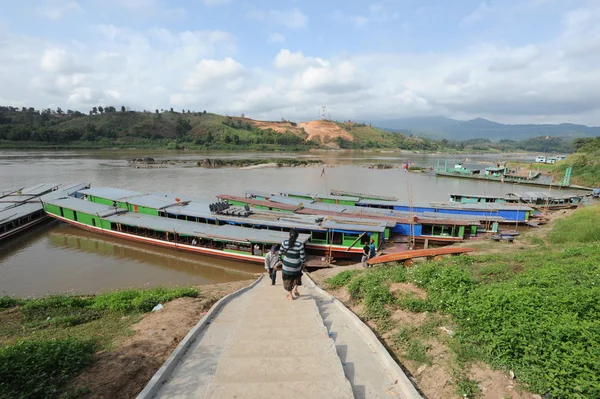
(95, 110)
(122, 108)
(59, 111)
(101, 109)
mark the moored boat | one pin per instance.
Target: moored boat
(521, 214)
(334, 236)
(21, 209)
(533, 199)
(231, 242)
(436, 230)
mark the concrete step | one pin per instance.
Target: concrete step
(281, 319)
(296, 390)
(285, 348)
(270, 369)
(250, 333)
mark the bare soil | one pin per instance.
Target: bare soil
(124, 371)
(319, 130)
(435, 380)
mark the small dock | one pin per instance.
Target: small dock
(257, 344)
(418, 253)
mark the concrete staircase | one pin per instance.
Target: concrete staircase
(261, 345)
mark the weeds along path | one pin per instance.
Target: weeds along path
(530, 312)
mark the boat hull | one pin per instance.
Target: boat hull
(22, 228)
(164, 244)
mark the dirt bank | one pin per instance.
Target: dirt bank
(124, 371)
(437, 377)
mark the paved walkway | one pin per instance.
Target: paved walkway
(261, 345)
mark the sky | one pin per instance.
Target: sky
(511, 61)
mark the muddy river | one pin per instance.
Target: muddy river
(55, 257)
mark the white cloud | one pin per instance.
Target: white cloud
(293, 18)
(214, 73)
(276, 38)
(484, 8)
(56, 9)
(549, 81)
(287, 59)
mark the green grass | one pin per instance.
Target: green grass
(44, 342)
(38, 369)
(535, 311)
(582, 227)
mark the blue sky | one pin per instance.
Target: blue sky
(511, 61)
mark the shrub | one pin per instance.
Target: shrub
(38, 369)
(9, 302)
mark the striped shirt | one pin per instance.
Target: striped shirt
(293, 258)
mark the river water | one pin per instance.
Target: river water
(55, 257)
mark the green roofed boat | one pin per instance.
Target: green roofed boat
(230, 242)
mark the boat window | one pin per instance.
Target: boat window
(337, 238)
(75, 216)
(319, 236)
(62, 213)
(365, 239)
(93, 222)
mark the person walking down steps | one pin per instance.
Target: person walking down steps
(293, 259)
(365, 255)
(271, 263)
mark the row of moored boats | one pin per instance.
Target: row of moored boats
(333, 226)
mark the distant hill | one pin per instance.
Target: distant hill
(452, 129)
(201, 130)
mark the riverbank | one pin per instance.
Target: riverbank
(512, 321)
(107, 346)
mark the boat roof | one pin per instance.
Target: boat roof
(445, 205)
(390, 213)
(330, 224)
(257, 193)
(110, 192)
(279, 219)
(8, 215)
(362, 195)
(497, 168)
(132, 197)
(323, 196)
(80, 205)
(536, 195)
(66, 190)
(476, 196)
(226, 232)
(39, 189)
(196, 211)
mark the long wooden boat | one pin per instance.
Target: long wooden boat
(509, 213)
(533, 199)
(333, 235)
(230, 242)
(341, 193)
(20, 208)
(437, 231)
(418, 253)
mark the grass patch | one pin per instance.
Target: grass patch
(9, 302)
(38, 369)
(581, 227)
(44, 342)
(341, 279)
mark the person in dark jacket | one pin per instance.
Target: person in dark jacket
(293, 258)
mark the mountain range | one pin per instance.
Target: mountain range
(441, 127)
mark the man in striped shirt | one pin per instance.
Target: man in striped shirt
(293, 259)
